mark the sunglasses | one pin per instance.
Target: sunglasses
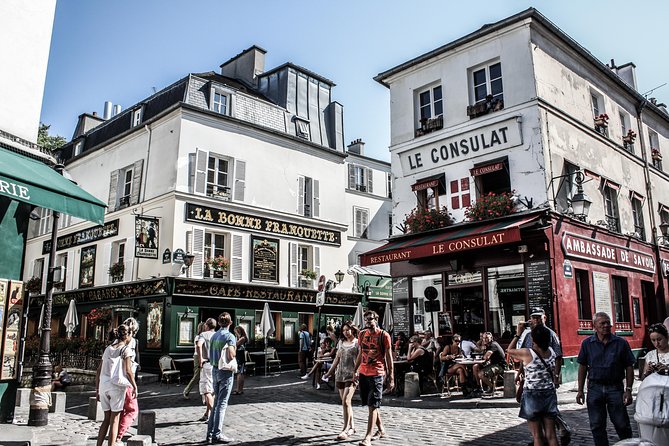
(370, 318)
(657, 328)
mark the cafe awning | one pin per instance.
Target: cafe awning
(466, 236)
(33, 182)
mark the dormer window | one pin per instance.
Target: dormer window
(220, 99)
(78, 147)
(137, 116)
(302, 128)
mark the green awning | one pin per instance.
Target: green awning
(31, 181)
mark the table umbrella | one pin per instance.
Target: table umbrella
(41, 319)
(388, 318)
(267, 328)
(71, 320)
(358, 317)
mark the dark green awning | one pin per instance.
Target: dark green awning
(31, 181)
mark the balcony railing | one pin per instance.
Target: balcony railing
(623, 326)
(429, 126)
(585, 325)
(124, 202)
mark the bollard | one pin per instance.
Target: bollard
(95, 411)
(139, 440)
(147, 424)
(411, 385)
(509, 384)
(57, 402)
(23, 397)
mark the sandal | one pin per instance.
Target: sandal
(351, 431)
(342, 436)
(379, 434)
(365, 442)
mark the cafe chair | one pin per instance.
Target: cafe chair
(273, 359)
(168, 370)
(248, 364)
(450, 380)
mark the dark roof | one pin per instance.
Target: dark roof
(233, 83)
(301, 69)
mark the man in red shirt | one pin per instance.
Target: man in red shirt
(373, 361)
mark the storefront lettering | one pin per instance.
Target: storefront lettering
(578, 246)
(125, 291)
(14, 190)
(109, 229)
(392, 257)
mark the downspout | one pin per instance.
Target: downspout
(145, 174)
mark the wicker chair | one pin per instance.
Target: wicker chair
(168, 370)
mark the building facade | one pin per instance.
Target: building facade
(224, 191)
(520, 108)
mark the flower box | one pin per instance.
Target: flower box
(602, 120)
(629, 137)
(491, 206)
(33, 285)
(218, 263)
(420, 219)
(655, 154)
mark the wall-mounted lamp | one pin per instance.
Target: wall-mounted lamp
(188, 261)
(579, 203)
(186, 313)
(339, 276)
(664, 229)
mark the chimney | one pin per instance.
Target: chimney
(627, 73)
(107, 111)
(245, 66)
(117, 110)
(85, 123)
(357, 147)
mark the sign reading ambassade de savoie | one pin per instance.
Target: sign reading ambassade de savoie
(585, 248)
(227, 218)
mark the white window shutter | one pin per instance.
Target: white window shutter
(69, 272)
(370, 176)
(113, 190)
(31, 271)
(197, 250)
(106, 262)
(136, 181)
(293, 264)
(240, 180)
(236, 262)
(201, 159)
(191, 173)
(300, 195)
(351, 176)
(364, 224)
(317, 261)
(317, 201)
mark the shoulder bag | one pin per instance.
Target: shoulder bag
(118, 375)
(224, 364)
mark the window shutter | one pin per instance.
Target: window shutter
(197, 250)
(236, 261)
(136, 181)
(127, 266)
(191, 173)
(317, 202)
(317, 261)
(300, 195)
(351, 176)
(113, 190)
(292, 279)
(31, 270)
(69, 272)
(370, 176)
(240, 180)
(106, 262)
(364, 223)
(201, 158)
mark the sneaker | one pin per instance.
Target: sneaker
(305, 376)
(318, 387)
(185, 395)
(325, 379)
(223, 439)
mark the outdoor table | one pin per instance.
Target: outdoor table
(401, 366)
(469, 363)
(260, 358)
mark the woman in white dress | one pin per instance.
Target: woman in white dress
(658, 360)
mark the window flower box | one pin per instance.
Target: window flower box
(602, 120)
(420, 219)
(429, 126)
(218, 263)
(491, 206)
(629, 137)
(116, 271)
(655, 154)
(33, 285)
(99, 317)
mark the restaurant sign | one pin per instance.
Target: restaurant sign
(582, 247)
(109, 229)
(477, 241)
(153, 287)
(488, 168)
(204, 288)
(226, 218)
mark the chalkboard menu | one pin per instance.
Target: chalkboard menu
(265, 259)
(539, 288)
(401, 305)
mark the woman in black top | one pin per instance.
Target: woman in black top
(242, 339)
(421, 361)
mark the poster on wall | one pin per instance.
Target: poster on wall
(146, 237)
(602, 290)
(154, 325)
(265, 259)
(14, 296)
(445, 323)
(87, 266)
(4, 284)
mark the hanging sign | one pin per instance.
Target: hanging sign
(146, 237)
(567, 269)
(178, 256)
(167, 256)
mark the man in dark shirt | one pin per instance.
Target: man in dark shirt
(606, 360)
(493, 365)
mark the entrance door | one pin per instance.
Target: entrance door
(467, 308)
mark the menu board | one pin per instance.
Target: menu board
(601, 287)
(539, 288)
(401, 305)
(265, 259)
(13, 294)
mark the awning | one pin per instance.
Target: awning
(438, 181)
(33, 182)
(466, 237)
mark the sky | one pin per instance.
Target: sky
(121, 50)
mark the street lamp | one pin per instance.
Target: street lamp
(339, 276)
(664, 229)
(188, 261)
(579, 203)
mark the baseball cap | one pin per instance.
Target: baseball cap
(537, 312)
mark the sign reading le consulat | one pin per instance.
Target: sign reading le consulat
(220, 217)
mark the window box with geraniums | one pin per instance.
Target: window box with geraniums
(629, 137)
(601, 121)
(421, 219)
(33, 285)
(491, 206)
(217, 266)
(99, 317)
(116, 271)
(655, 154)
(307, 277)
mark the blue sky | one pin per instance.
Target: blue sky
(120, 50)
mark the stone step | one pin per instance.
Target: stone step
(146, 378)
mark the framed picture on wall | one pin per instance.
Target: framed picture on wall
(186, 330)
(289, 332)
(154, 325)
(636, 310)
(87, 266)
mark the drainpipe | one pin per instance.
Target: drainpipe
(145, 174)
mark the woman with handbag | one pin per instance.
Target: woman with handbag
(538, 404)
(114, 376)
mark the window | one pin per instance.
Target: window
(430, 103)
(389, 184)
(304, 261)
(487, 81)
(596, 109)
(214, 246)
(664, 218)
(583, 295)
(597, 101)
(497, 181)
(302, 129)
(620, 299)
(220, 102)
(624, 128)
(78, 147)
(360, 178)
(126, 188)
(38, 268)
(118, 257)
(426, 198)
(610, 193)
(308, 203)
(655, 153)
(390, 224)
(360, 222)
(137, 116)
(218, 177)
(567, 188)
(637, 216)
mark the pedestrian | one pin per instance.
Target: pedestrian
(373, 364)
(196, 362)
(222, 343)
(206, 385)
(651, 403)
(657, 361)
(606, 360)
(61, 379)
(113, 376)
(303, 349)
(539, 400)
(130, 406)
(242, 340)
(342, 368)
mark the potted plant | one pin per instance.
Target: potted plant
(99, 317)
(421, 219)
(655, 154)
(33, 285)
(602, 121)
(217, 265)
(308, 274)
(491, 206)
(116, 271)
(629, 137)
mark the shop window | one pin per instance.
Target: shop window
(506, 299)
(426, 310)
(621, 302)
(583, 295)
(360, 222)
(360, 178)
(610, 194)
(496, 182)
(637, 217)
(466, 305)
(308, 201)
(306, 319)
(215, 246)
(278, 326)
(636, 311)
(567, 188)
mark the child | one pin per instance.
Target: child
(62, 379)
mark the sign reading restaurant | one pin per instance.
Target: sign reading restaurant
(109, 229)
(585, 248)
(220, 217)
(491, 138)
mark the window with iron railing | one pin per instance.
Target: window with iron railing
(620, 299)
(611, 208)
(637, 216)
(430, 111)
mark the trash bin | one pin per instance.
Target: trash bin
(411, 385)
(652, 409)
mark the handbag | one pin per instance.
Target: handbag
(519, 390)
(224, 364)
(118, 376)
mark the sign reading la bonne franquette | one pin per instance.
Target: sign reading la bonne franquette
(109, 229)
(603, 252)
(221, 217)
(488, 139)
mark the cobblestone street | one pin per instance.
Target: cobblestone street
(284, 410)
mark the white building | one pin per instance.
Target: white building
(246, 164)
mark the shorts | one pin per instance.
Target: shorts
(241, 367)
(537, 404)
(112, 397)
(491, 370)
(206, 380)
(371, 388)
(344, 384)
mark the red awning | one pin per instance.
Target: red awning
(438, 181)
(466, 236)
(488, 168)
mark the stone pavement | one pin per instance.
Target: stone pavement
(283, 410)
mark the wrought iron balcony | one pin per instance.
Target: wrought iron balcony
(429, 126)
